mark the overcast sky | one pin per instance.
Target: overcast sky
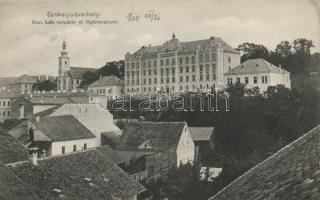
(27, 48)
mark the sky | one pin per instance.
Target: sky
(33, 49)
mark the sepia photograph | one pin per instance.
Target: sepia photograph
(160, 100)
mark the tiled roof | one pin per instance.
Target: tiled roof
(107, 81)
(254, 66)
(77, 72)
(10, 150)
(191, 46)
(48, 112)
(161, 135)
(62, 128)
(112, 136)
(25, 79)
(13, 188)
(291, 173)
(82, 176)
(6, 81)
(111, 153)
(50, 100)
(201, 133)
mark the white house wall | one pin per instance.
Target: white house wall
(56, 147)
(94, 119)
(186, 148)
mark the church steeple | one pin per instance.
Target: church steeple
(64, 48)
(173, 36)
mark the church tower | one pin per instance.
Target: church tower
(64, 69)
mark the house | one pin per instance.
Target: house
(203, 139)
(21, 108)
(23, 84)
(81, 175)
(258, 73)
(93, 117)
(109, 86)
(291, 173)
(169, 144)
(59, 135)
(111, 138)
(5, 105)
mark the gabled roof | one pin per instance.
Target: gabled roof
(39, 100)
(77, 72)
(107, 81)
(25, 79)
(291, 173)
(6, 94)
(62, 128)
(201, 133)
(191, 46)
(10, 150)
(161, 135)
(82, 176)
(13, 188)
(255, 66)
(6, 81)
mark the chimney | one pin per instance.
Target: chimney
(280, 66)
(34, 156)
(31, 135)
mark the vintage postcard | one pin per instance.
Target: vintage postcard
(160, 100)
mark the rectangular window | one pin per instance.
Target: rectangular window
(181, 78)
(173, 61)
(161, 80)
(187, 78)
(201, 78)
(74, 148)
(201, 69)
(149, 80)
(168, 80)
(200, 58)
(8, 113)
(238, 80)
(85, 146)
(246, 80)
(173, 70)
(187, 60)
(207, 77)
(161, 62)
(193, 68)
(207, 57)
(155, 80)
(193, 78)
(155, 72)
(180, 60)
(167, 62)
(187, 69)
(255, 79)
(262, 79)
(266, 79)
(193, 59)
(63, 150)
(173, 79)
(149, 63)
(181, 70)
(155, 63)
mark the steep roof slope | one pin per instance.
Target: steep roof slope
(291, 173)
(13, 188)
(83, 175)
(77, 72)
(253, 66)
(62, 128)
(201, 133)
(25, 79)
(107, 81)
(10, 150)
(161, 135)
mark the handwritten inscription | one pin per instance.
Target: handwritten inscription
(150, 15)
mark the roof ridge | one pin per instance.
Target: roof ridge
(288, 147)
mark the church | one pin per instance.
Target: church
(69, 78)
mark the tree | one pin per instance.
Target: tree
(302, 46)
(45, 85)
(237, 89)
(251, 50)
(284, 49)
